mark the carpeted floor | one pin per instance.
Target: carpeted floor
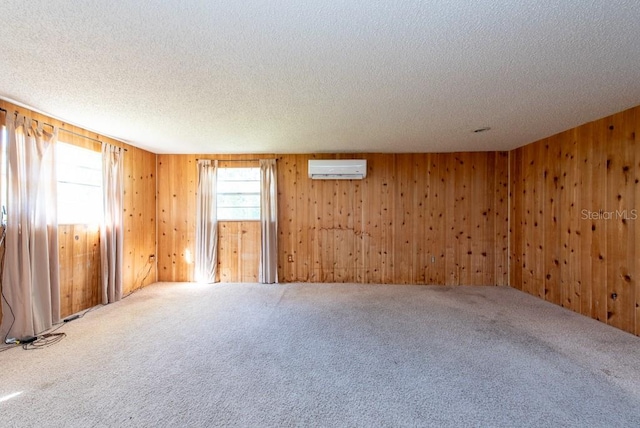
(326, 355)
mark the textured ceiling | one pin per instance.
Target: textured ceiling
(288, 76)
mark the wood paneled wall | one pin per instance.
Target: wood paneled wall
(415, 219)
(80, 279)
(575, 237)
(177, 185)
(139, 220)
(238, 241)
(425, 218)
(79, 245)
(238, 251)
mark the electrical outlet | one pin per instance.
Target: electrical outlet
(433, 259)
(290, 258)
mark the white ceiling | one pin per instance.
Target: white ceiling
(288, 76)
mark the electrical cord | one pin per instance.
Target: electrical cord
(146, 274)
(4, 251)
(50, 337)
(149, 266)
(44, 341)
(41, 341)
(67, 320)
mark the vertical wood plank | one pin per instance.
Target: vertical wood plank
(587, 225)
(516, 224)
(439, 226)
(599, 255)
(501, 222)
(619, 202)
(572, 227)
(551, 221)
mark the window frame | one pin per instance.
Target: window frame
(257, 193)
(96, 212)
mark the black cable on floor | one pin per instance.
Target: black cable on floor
(59, 325)
(4, 252)
(44, 341)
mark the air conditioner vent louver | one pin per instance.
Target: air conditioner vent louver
(337, 169)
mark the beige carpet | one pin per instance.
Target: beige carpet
(326, 355)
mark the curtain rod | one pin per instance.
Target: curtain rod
(231, 160)
(66, 130)
(83, 136)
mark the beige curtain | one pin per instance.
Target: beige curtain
(111, 230)
(268, 270)
(206, 222)
(30, 278)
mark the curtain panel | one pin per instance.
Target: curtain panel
(111, 230)
(206, 259)
(30, 279)
(268, 269)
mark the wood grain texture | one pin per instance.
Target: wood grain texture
(177, 182)
(574, 219)
(415, 219)
(513, 218)
(139, 220)
(79, 245)
(80, 280)
(176, 206)
(238, 251)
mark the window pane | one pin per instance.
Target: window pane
(79, 204)
(239, 174)
(79, 173)
(238, 193)
(225, 213)
(238, 187)
(239, 200)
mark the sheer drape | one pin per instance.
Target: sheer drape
(268, 270)
(30, 279)
(206, 223)
(111, 231)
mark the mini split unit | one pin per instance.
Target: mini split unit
(338, 169)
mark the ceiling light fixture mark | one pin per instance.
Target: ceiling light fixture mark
(484, 129)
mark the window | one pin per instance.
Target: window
(238, 194)
(79, 185)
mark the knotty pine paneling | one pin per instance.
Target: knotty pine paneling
(177, 190)
(177, 185)
(238, 251)
(79, 245)
(80, 280)
(415, 219)
(139, 220)
(574, 234)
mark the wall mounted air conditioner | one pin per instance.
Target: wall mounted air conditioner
(338, 169)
